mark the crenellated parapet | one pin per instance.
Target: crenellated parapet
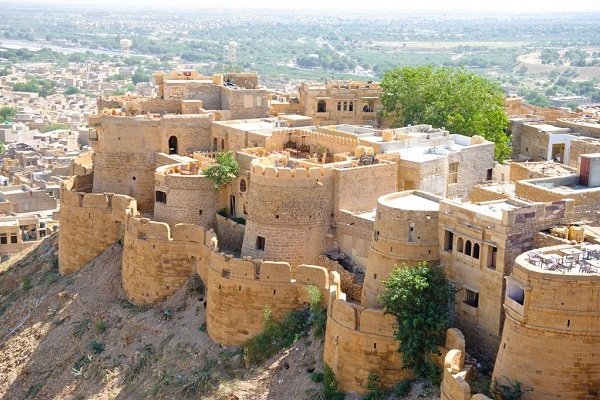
(158, 259)
(184, 195)
(551, 336)
(90, 223)
(240, 289)
(291, 226)
(360, 341)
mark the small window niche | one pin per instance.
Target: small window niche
(492, 255)
(260, 243)
(448, 241)
(471, 298)
(515, 292)
(161, 197)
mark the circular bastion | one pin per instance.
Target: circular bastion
(289, 213)
(551, 337)
(405, 231)
(184, 195)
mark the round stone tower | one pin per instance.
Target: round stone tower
(551, 338)
(405, 232)
(183, 195)
(289, 213)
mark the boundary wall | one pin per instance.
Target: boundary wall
(240, 289)
(90, 223)
(551, 337)
(360, 341)
(296, 218)
(158, 259)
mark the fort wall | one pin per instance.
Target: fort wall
(157, 260)
(125, 150)
(360, 341)
(297, 218)
(551, 334)
(405, 232)
(189, 197)
(90, 223)
(239, 290)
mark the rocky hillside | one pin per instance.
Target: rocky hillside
(77, 337)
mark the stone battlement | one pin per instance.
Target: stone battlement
(286, 173)
(111, 201)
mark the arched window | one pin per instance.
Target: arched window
(222, 144)
(345, 106)
(476, 251)
(459, 245)
(215, 144)
(321, 106)
(243, 185)
(351, 107)
(173, 145)
(468, 248)
(339, 107)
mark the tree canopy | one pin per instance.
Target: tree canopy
(449, 97)
(419, 297)
(224, 171)
(7, 113)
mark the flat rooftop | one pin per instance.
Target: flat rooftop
(412, 201)
(491, 210)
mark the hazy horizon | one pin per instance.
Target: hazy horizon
(508, 6)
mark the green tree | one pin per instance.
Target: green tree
(419, 297)
(224, 171)
(450, 97)
(7, 113)
(71, 90)
(139, 76)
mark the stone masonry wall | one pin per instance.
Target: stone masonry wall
(230, 233)
(90, 223)
(124, 160)
(360, 341)
(551, 342)
(191, 199)
(239, 290)
(579, 147)
(292, 210)
(156, 264)
(474, 163)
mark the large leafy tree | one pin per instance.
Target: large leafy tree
(450, 97)
(419, 297)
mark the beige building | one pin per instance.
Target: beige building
(340, 102)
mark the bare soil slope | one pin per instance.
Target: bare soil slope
(77, 337)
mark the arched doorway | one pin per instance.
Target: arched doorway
(173, 145)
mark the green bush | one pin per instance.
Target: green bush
(26, 285)
(330, 384)
(419, 297)
(100, 326)
(375, 392)
(318, 316)
(224, 171)
(96, 347)
(316, 376)
(239, 220)
(275, 336)
(402, 388)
